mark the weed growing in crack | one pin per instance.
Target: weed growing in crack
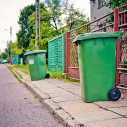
(40, 100)
(35, 96)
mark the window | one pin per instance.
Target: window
(101, 3)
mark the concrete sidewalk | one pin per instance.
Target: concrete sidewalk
(63, 100)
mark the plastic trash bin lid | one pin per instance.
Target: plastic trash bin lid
(97, 35)
(35, 52)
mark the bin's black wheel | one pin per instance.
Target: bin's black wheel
(47, 75)
(114, 94)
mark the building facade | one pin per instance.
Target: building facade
(98, 9)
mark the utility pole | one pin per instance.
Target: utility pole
(37, 18)
(11, 45)
(8, 49)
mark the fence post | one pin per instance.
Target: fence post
(117, 62)
(86, 28)
(67, 52)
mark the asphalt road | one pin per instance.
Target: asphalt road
(18, 107)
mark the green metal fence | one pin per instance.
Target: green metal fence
(56, 54)
(16, 60)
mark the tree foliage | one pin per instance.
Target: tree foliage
(55, 11)
(55, 8)
(51, 15)
(25, 32)
(15, 50)
(4, 55)
(46, 31)
(8, 49)
(75, 18)
(114, 3)
(44, 17)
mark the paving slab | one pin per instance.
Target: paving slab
(57, 90)
(77, 92)
(41, 82)
(47, 86)
(66, 85)
(119, 122)
(94, 116)
(79, 108)
(62, 82)
(63, 100)
(66, 96)
(120, 110)
(110, 104)
(72, 103)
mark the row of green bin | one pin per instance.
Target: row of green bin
(96, 65)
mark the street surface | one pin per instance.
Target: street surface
(18, 107)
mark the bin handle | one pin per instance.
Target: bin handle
(95, 42)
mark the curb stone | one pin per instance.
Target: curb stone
(51, 106)
(36, 91)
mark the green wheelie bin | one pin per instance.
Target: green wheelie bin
(96, 54)
(37, 64)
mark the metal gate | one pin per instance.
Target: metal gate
(123, 63)
(119, 23)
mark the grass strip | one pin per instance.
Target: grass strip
(24, 71)
(23, 68)
(18, 74)
(11, 69)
